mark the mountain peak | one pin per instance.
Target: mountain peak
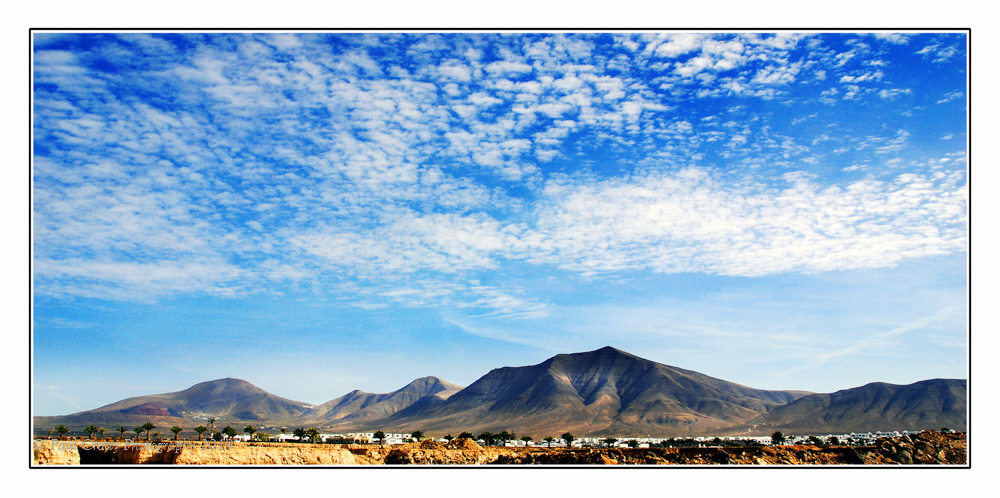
(228, 385)
(358, 407)
(428, 385)
(602, 355)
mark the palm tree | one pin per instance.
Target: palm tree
(249, 430)
(122, 430)
(569, 439)
(229, 431)
(299, 433)
(632, 443)
(466, 435)
(448, 437)
(313, 434)
(90, 430)
(101, 431)
(62, 430)
(137, 430)
(548, 440)
(148, 426)
(526, 439)
(610, 441)
(417, 435)
(380, 436)
(176, 430)
(488, 437)
(504, 436)
(200, 429)
(211, 422)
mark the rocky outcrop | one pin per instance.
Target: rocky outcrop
(55, 453)
(927, 448)
(298, 454)
(190, 453)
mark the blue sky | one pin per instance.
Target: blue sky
(317, 213)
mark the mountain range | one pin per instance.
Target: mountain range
(596, 393)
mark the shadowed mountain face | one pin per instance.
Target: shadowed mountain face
(357, 408)
(229, 399)
(878, 406)
(599, 392)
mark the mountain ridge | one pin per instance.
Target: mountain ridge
(878, 406)
(593, 393)
(358, 406)
(601, 392)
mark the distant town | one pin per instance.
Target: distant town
(504, 438)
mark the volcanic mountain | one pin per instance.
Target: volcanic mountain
(357, 408)
(878, 406)
(595, 393)
(227, 399)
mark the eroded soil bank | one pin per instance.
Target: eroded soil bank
(927, 448)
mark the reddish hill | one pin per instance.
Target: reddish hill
(229, 399)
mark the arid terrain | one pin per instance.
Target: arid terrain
(926, 448)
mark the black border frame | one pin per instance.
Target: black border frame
(968, 32)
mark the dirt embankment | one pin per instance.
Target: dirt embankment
(54, 453)
(187, 453)
(925, 448)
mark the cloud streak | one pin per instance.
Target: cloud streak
(409, 165)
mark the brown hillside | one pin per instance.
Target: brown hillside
(229, 399)
(595, 393)
(358, 408)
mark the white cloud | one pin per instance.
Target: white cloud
(132, 281)
(863, 77)
(948, 97)
(507, 67)
(455, 71)
(895, 145)
(777, 75)
(894, 38)
(937, 53)
(689, 222)
(328, 167)
(894, 93)
(844, 57)
(677, 44)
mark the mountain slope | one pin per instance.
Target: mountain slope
(229, 399)
(596, 393)
(929, 404)
(358, 407)
(599, 392)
